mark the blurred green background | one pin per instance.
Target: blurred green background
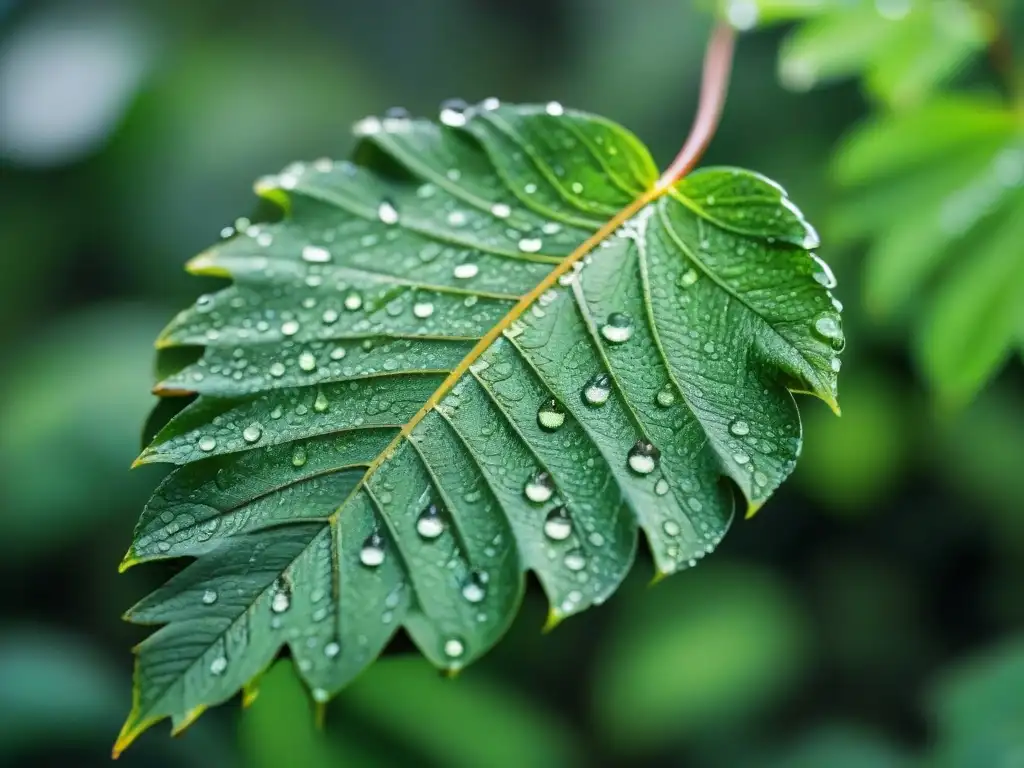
(870, 616)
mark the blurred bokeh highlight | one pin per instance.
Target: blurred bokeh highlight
(870, 616)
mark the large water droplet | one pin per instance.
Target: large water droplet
(252, 433)
(739, 428)
(430, 524)
(423, 309)
(530, 244)
(353, 301)
(828, 328)
(290, 328)
(597, 389)
(551, 415)
(688, 278)
(299, 457)
(665, 397)
(207, 444)
(824, 275)
(474, 589)
(617, 328)
(643, 457)
(661, 487)
(454, 648)
(209, 597)
(453, 112)
(387, 212)
(501, 210)
(465, 271)
(558, 525)
(575, 560)
(539, 488)
(372, 553)
(554, 109)
(218, 665)
(321, 404)
(307, 362)
(281, 600)
(671, 528)
(314, 254)
(332, 649)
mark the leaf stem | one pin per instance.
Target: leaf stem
(714, 86)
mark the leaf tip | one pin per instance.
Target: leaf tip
(250, 692)
(128, 560)
(753, 507)
(554, 619)
(659, 576)
(190, 717)
(205, 265)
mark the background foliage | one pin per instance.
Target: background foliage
(869, 616)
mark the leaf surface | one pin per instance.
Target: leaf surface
(482, 347)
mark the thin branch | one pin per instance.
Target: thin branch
(714, 86)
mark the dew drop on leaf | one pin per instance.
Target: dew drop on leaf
(218, 665)
(575, 560)
(661, 487)
(530, 244)
(551, 415)
(387, 212)
(501, 210)
(423, 309)
(307, 362)
(332, 649)
(453, 112)
(252, 433)
(474, 589)
(454, 648)
(597, 389)
(671, 528)
(465, 271)
(314, 254)
(617, 328)
(353, 301)
(430, 524)
(558, 525)
(539, 488)
(299, 457)
(739, 428)
(290, 328)
(207, 444)
(372, 553)
(643, 457)
(554, 109)
(665, 397)
(209, 597)
(689, 278)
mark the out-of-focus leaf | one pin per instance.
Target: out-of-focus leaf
(279, 729)
(461, 724)
(904, 50)
(70, 411)
(484, 347)
(838, 746)
(701, 651)
(857, 458)
(936, 132)
(979, 711)
(970, 327)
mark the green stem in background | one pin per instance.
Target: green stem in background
(1001, 56)
(714, 86)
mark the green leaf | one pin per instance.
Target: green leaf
(904, 51)
(483, 347)
(971, 324)
(978, 711)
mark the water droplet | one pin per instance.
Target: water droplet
(558, 525)
(824, 276)
(290, 328)
(372, 553)
(465, 271)
(539, 488)
(353, 301)
(423, 309)
(314, 254)
(643, 457)
(688, 278)
(501, 210)
(281, 601)
(761, 478)
(575, 560)
(661, 487)
(576, 187)
(554, 109)
(670, 527)
(457, 218)
(321, 404)
(530, 244)
(209, 597)
(828, 328)
(387, 212)
(598, 389)
(617, 328)
(491, 103)
(299, 457)
(551, 415)
(332, 649)
(474, 589)
(430, 524)
(454, 648)
(740, 458)
(665, 397)
(453, 112)
(739, 428)
(742, 14)
(252, 433)
(207, 444)
(218, 665)
(307, 362)
(321, 696)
